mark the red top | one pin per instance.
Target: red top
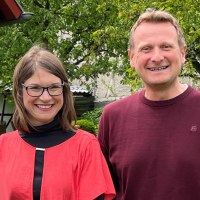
(74, 169)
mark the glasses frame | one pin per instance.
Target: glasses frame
(43, 89)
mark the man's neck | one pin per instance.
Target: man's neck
(161, 94)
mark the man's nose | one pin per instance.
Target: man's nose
(157, 55)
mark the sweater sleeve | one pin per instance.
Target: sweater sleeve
(103, 138)
(95, 178)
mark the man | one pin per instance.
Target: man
(151, 139)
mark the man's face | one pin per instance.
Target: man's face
(157, 56)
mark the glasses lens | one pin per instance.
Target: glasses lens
(34, 91)
(55, 90)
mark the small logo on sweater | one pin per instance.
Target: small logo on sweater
(193, 128)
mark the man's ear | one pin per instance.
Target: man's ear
(129, 53)
(131, 58)
(183, 53)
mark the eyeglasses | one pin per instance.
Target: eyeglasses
(37, 90)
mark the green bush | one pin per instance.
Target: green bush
(86, 125)
(93, 115)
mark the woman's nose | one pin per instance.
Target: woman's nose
(45, 95)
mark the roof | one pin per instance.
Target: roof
(11, 12)
(77, 90)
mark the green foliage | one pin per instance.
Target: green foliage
(86, 125)
(91, 36)
(93, 115)
(131, 78)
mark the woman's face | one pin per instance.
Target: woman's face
(44, 108)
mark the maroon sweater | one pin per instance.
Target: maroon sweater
(153, 148)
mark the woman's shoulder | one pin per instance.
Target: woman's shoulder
(9, 135)
(84, 137)
(9, 139)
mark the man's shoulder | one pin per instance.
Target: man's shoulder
(194, 93)
(122, 105)
(124, 101)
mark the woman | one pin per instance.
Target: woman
(46, 157)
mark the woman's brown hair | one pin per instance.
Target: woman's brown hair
(28, 64)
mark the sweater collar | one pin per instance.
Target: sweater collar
(50, 127)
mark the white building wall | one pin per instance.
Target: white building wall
(108, 88)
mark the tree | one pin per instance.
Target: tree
(91, 36)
